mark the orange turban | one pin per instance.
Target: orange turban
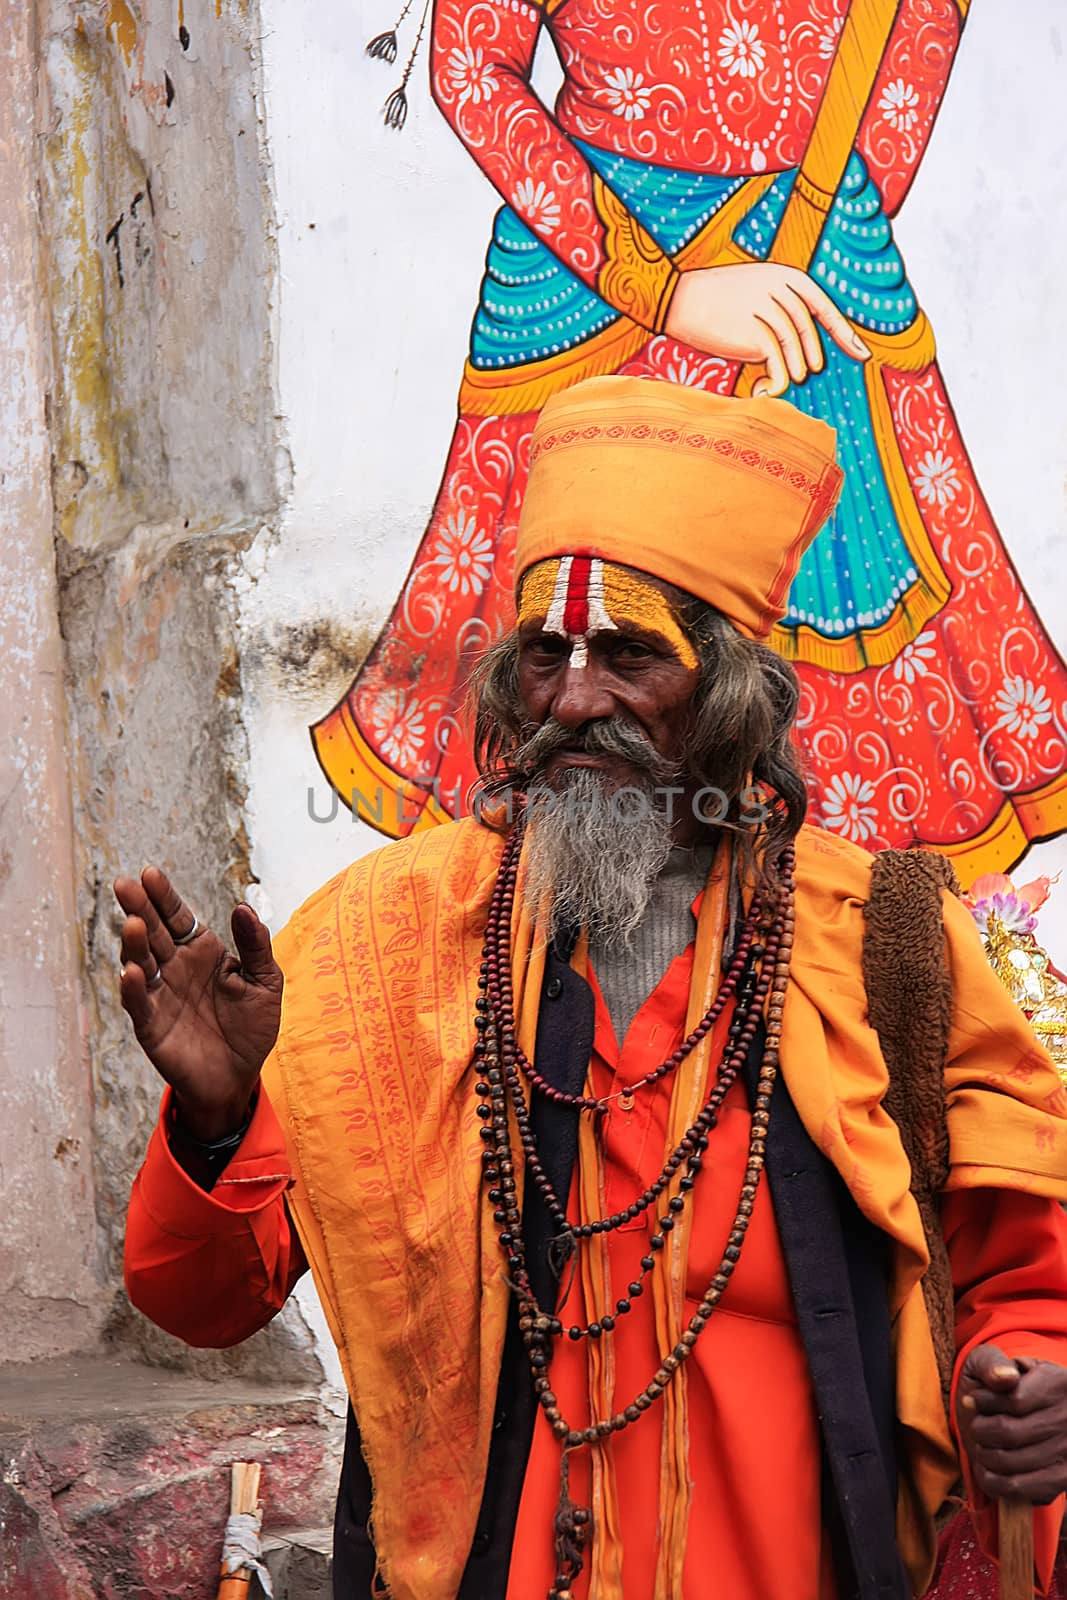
(720, 497)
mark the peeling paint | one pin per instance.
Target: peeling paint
(122, 22)
(161, 273)
(309, 660)
(50, 1298)
(84, 359)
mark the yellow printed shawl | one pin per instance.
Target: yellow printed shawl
(372, 1079)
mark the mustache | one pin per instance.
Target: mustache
(606, 736)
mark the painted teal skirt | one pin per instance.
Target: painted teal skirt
(532, 307)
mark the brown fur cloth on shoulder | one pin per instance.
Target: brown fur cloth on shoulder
(909, 1001)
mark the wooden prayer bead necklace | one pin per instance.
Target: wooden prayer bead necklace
(499, 1081)
(497, 968)
(690, 1149)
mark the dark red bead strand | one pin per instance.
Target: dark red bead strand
(502, 999)
(735, 1240)
(498, 946)
(692, 1146)
(727, 1076)
(672, 1362)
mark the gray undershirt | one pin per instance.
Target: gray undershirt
(627, 977)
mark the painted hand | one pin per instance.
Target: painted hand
(1012, 1416)
(206, 1019)
(761, 313)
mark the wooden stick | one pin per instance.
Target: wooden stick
(244, 1500)
(1016, 1539)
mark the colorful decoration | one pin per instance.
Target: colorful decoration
(1007, 920)
(934, 706)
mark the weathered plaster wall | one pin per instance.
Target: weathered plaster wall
(50, 1298)
(155, 206)
(167, 460)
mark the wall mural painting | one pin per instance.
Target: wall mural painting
(702, 136)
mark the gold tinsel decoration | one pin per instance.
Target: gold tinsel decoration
(1027, 973)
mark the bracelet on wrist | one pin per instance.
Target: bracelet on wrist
(215, 1151)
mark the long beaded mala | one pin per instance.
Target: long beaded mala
(758, 976)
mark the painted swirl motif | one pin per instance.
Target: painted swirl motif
(907, 95)
(975, 707)
(698, 85)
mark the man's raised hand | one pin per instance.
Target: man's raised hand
(207, 1019)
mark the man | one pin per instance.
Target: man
(612, 1229)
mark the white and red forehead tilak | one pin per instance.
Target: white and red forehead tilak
(577, 610)
(578, 597)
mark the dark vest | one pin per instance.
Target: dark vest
(837, 1264)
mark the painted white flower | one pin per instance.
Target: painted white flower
(623, 90)
(742, 53)
(898, 105)
(911, 662)
(830, 37)
(538, 204)
(472, 77)
(1024, 707)
(399, 726)
(846, 807)
(463, 556)
(937, 478)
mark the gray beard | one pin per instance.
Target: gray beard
(593, 856)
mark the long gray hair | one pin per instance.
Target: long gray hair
(739, 737)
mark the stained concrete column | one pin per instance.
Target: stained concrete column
(50, 1301)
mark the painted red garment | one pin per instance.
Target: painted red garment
(213, 1268)
(960, 740)
(630, 86)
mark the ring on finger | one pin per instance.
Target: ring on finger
(155, 980)
(187, 938)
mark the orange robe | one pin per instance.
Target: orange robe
(212, 1268)
(750, 1395)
